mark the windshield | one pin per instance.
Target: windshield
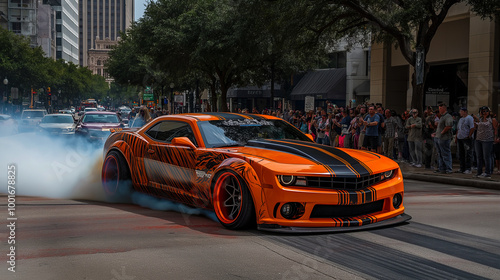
(100, 119)
(90, 109)
(58, 119)
(223, 133)
(33, 114)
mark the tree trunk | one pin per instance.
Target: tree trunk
(417, 99)
(272, 86)
(213, 98)
(223, 100)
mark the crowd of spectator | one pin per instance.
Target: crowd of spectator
(429, 140)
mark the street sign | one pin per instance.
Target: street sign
(309, 103)
(148, 97)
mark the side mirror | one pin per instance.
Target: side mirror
(183, 141)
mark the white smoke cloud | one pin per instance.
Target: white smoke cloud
(52, 167)
(67, 169)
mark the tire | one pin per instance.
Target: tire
(116, 180)
(232, 201)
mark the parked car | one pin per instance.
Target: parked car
(96, 126)
(8, 125)
(30, 119)
(58, 125)
(255, 169)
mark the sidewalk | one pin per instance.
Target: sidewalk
(459, 179)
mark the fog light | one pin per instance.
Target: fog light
(292, 210)
(397, 200)
(288, 210)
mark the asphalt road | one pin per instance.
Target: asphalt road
(453, 235)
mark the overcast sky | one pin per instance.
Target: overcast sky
(139, 8)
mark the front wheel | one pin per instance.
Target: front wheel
(116, 179)
(232, 201)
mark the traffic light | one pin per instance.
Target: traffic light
(48, 89)
(33, 91)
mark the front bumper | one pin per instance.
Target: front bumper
(324, 210)
(284, 229)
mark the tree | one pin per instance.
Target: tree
(411, 24)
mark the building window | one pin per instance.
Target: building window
(99, 62)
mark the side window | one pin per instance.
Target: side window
(167, 130)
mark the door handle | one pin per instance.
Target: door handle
(151, 151)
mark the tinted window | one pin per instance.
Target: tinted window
(58, 119)
(33, 114)
(100, 119)
(238, 132)
(167, 130)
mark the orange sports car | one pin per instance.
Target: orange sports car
(255, 169)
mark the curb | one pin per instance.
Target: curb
(473, 182)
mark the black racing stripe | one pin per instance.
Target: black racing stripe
(310, 151)
(341, 162)
(356, 164)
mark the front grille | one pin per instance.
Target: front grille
(344, 211)
(343, 183)
(99, 133)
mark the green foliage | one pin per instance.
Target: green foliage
(27, 67)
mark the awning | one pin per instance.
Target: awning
(363, 89)
(255, 92)
(323, 84)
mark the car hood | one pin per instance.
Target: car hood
(341, 162)
(57, 125)
(100, 126)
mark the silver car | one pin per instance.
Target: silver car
(31, 118)
(57, 124)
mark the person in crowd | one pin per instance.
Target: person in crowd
(344, 125)
(400, 137)
(132, 114)
(406, 148)
(429, 153)
(389, 134)
(355, 128)
(414, 126)
(486, 133)
(442, 140)
(333, 133)
(141, 118)
(465, 129)
(303, 124)
(496, 149)
(363, 111)
(371, 135)
(322, 129)
(381, 127)
(152, 113)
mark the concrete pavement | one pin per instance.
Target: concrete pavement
(459, 179)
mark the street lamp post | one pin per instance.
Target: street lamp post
(6, 82)
(172, 85)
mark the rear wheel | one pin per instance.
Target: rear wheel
(233, 203)
(116, 178)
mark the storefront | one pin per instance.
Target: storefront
(255, 97)
(325, 85)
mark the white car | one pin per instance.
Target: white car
(8, 125)
(31, 118)
(57, 124)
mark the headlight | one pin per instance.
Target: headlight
(291, 180)
(387, 174)
(287, 180)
